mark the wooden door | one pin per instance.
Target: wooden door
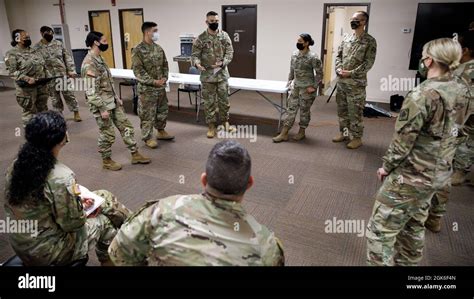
(131, 35)
(100, 21)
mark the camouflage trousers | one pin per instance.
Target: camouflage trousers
(32, 100)
(350, 101)
(439, 202)
(396, 231)
(57, 102)
(102, 229)
(464, 157)
(299, 99)
(216, 97)
(118, 119)
(153, 112)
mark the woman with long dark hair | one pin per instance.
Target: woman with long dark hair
(42, 190)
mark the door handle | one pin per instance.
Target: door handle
(126, 39)
(252, 50)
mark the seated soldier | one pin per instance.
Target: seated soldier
(40, 188)
(209, 229)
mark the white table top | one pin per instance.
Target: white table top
(234, 83)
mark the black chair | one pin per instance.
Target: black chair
(133, 84)
(190, 88)
(15, 261)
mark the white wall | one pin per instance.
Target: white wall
(5, 36)
(279, 23)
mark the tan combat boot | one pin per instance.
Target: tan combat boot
(108, 163)
(137, 158)
(340, 138)
(151, 143)
(77, 117)
(283, 136)
(433, 223)
(355, 143)
(229, 128)
(458, 178)
(300, 136)
(163, 135)
(211, 132)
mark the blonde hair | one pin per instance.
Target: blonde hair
(445, 51)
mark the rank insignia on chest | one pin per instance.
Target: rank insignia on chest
(404, 115)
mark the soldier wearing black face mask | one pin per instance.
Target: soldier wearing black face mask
(59, 62)
(212, 52)
(355, 57)
(26, 66)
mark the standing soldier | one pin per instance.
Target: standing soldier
(464, 156)
(151, 69)
(27, 67)
(104, 104)
(355, 57)
(418, 162)
(304, 65)
(465, 153)
(59, 64)
(209, 229)
(212, 52)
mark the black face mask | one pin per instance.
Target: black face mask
(48, 37)
(103, 47)
(213, 26)
(27, 42)
(300, 46)
(355, 24)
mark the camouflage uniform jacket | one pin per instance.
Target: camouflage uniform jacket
(424, 143)
(58, 60)
(303, 67)
(194, 230)
(22, 62)
(208, 49)
(62, 233)
(356, 54)
(466, 72)
(149, 63)
(101, 95)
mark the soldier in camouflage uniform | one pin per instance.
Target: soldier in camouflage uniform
(104, 104)
(304, 65)
(64, 232)
(355, 57)
(418, 162)
(60, 64)
(212, 52)
(209, 229)
(27, 65)
(464, 156)
(150, 66)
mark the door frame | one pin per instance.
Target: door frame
(326, 16)
(122, 45)
(91, 26)
(224, 24)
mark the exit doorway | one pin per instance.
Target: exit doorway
(336, 24)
